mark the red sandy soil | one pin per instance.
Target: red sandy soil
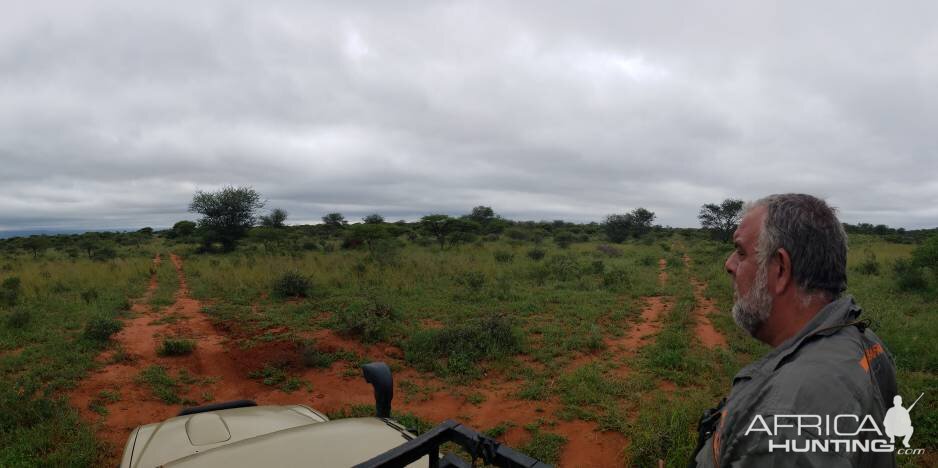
(597, 449)
(12, 352)
(219, 359)
(707, 335)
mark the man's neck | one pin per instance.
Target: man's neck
(789, 316)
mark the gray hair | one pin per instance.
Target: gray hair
(808, 229)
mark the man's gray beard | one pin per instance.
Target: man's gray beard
(752, 310)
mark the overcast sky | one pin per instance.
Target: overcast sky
(112, 114)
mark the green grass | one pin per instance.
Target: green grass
(98, 404)
(278, 377)
(162, 384)
(175, 347)
(46, 354)
(464, 313)
(167, 283)
(544, 446)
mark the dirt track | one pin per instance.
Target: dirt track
(707, 335)
(222, 370)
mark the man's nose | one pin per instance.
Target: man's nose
(729, 264)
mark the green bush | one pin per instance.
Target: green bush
(564, 239)
(473, 280)
(19, 318)
(609, 250)
(10, 291)
(104, 253)
(563, 267)
(385, 252)
(292, 284)
(597, 267)
(536, 254)
(617, 277)
(89, 295)
(909, 277)
(926, 255)
(503, 256)
(516, 234)
(174, 347)
(458, 350)
(313, 357)
(869, 266)
(101, 329)
(371, 320)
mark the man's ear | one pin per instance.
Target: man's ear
(782, 271)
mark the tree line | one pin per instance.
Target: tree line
(232, 214)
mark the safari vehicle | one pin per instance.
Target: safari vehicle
(242, 434)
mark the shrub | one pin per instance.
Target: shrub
(516, 234)
(869, 266)
(647, 260)
(385, 252)
(89, 295)
(292, 284)
(472, 280)
(536, 254)
(10, 291)
(609, 250)
(909, 277)
(926, 255)
(370, 321)
(101, 329)
(616, 277)
(563, 267)
(504, 256)
(174, 347)
(502, 289)
(597, 267)
(456, 351)
(19, 318)
(564, 239)
(104, 253)
(312, 357)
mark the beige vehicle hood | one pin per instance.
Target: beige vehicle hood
(260, 436)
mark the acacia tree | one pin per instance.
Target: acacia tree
(227, 214)
(620, 227)
(439, 226)
(721, 219)
(374, 218)
(334, 220)
(182, 228)
(481, 214)
(36, 244)
(641, 219)
(275, 219)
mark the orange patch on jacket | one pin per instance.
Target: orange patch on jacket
(869, 355)
(717, 444)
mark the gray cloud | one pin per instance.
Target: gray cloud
(113, 114)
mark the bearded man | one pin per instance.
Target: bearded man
(789, 271)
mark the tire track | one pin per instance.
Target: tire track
(708, 336)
